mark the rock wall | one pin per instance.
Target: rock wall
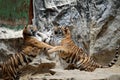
(96, 22)
(95, 28)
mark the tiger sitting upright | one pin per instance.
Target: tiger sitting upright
(74, 55)
(32, 46)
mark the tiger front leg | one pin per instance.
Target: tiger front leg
(40, 44)
(57, 49)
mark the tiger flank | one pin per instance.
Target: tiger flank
(32, 46)
(73, 55)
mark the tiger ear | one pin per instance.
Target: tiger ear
(66, 28)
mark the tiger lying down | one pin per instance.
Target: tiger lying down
(74, 55)
(32, 46)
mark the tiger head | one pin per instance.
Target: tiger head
(66, 31)
(62, 31)
(29, 30)
(32, 31)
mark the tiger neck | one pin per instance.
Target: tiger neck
(26, 38)
(67, 39)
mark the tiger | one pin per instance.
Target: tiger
(76, 56)
(33, 44)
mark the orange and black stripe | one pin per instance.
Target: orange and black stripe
(13, 64)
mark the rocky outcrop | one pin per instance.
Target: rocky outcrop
(95, 28)
(96, 22)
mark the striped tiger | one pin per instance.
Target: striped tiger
(74, 55)
(12, 65)
(32, 46)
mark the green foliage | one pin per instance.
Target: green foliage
(14, 9)
(18, 27)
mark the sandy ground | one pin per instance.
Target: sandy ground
(112, 73)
